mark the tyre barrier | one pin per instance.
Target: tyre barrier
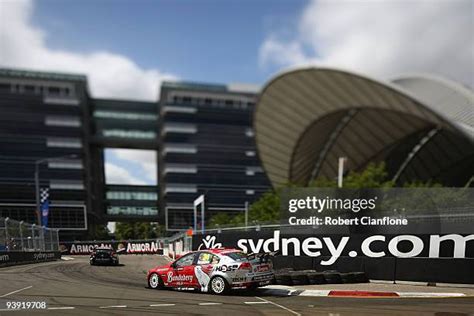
(282, 277)
(316, 278)
(348, 278)
(312, 277)
(299, 277)
(332, 277)
(361, 277)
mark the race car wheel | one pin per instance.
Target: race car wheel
(154, 281)
(219, 285)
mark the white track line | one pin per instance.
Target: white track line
(114, 306)
(66, 258)
(62, 307)
(159, 305)
(258, 302)
(13, 292)
(278, 305)
(209, 303)
(427, 294)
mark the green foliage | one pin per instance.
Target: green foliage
(137, 230)
(98, 232)
(219, 220)
(420, 184)
(264, 210)
(267, 208)
(373, 176)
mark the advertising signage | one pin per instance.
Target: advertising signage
(334, 229)
(121, 247)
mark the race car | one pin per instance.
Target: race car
(213, 270)
(104, 256)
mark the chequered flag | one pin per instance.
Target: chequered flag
(44, 195)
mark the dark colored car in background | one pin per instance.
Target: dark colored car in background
(105, 256)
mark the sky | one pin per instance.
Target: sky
(128, 47)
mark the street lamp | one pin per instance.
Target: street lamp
(37, 185)
(340, 171)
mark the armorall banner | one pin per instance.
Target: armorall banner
(121, 247)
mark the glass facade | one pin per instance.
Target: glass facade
(132, 210)
(125, 115)
(129, 133)
(130, 195)
(207, 147)
(201, 134)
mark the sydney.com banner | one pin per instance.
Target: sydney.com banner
(377, 230)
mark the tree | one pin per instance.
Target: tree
(137, 230)
(267, 208)
(373, 176)
(219, 219)
(98, 232)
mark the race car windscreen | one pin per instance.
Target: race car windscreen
(237, 256)
(103, 251)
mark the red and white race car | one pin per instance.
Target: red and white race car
(214, 270)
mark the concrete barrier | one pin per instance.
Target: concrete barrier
(18, 257)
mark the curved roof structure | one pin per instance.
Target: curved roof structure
(421, 126)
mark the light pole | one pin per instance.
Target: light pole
(340, 171)
(37, 185)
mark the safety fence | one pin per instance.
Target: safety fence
(179, 244)
(18, 236)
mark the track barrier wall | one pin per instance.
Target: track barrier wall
(23, 257)
(151, 246)
(445, 268)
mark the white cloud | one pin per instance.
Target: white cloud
(145, 158)
(23, 45)
(381, 38)
(117, 175)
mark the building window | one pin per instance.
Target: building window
(178, 109)
(63, 142)
(250, 192)
(5, 87)
(54, 91)
(30, 89)
(179, 148)
(66, 121)
(128, 133)
(179, 128)
(180, 188)
(251, 171)
(180, 168)
(125, 115)
(61, 101)
(132, 195)
(187, 100)
(132, 210)
(65, 164)
(249, 132)
(66, 185)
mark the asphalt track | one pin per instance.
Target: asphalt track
(76, 288)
